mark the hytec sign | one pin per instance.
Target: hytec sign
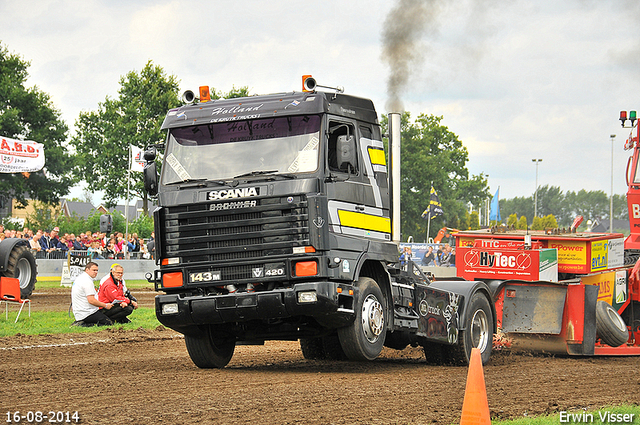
(577, 253)
(498, 259)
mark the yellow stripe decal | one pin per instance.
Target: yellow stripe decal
(377, 156)
(364, 221)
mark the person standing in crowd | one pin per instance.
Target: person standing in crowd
(54, 239)
(445, 260)
(406, 257)
(87, 309)
(34, 242)
(429, 258)
(151, 246)
(439, 252)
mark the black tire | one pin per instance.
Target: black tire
(478, 332)
(22, 266)
(610, 327)
(332, 348)
(213, 348)
(436, 354)
(312, 348)
(364, 338)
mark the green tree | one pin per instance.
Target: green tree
(591, 205)
(431, 154)
(551, 200)
(28, 114)
(474, 220)
(134, 118)
(522, 223)
(549, 222)
(231, 94)
(520, 206)
(512, 220)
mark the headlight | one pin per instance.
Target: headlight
(307, 297)
(170, 308)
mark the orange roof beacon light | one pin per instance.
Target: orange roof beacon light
(204, 94)
(308, 83)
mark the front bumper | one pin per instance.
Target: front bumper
(332, 308)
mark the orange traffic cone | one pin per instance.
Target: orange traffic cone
(475, 408)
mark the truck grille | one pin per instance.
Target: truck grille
(196, 233)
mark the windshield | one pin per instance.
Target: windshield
(219, 151)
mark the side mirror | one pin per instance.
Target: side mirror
(150, 177)
(106, 223)
(150, 154)
(346, 152)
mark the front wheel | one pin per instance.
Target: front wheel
(364, 338)
(213, 348)
(478, 331)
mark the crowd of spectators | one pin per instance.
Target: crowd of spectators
(100, 246)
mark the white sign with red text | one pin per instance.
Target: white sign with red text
(20, 156)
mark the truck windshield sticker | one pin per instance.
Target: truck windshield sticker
(307, 159)
(177, 167)
(374, 164)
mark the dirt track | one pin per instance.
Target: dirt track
(146, 377)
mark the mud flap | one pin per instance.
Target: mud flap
(533, 309)
(551, 318)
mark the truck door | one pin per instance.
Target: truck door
(356, 205)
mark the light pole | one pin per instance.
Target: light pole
(535, 196)
(613, 136)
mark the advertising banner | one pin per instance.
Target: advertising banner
(496, 259)
(20, 156)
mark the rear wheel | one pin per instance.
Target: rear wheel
(610, 327)
(364, 338)
(213, 348)
(478, 332)
(22, 266)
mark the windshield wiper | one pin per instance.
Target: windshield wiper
(185, 181)
(264, 173)
(255, 173)
(202, 182)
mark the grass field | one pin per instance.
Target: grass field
(55, 322)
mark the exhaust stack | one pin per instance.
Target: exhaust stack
(394, 161)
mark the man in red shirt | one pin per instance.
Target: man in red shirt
(114, 291)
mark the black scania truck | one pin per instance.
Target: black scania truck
(275, 223)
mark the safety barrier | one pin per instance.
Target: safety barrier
(59, 254)
(133, 269)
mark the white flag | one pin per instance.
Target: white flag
(137, 161)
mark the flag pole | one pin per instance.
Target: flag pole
(429, 214)
(126, 211)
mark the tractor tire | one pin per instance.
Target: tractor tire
(610, 327)
(478, 332)
(364, 338)
(213, 348)
(312, 348)
(22, 266)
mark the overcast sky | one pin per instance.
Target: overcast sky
(515, 80)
